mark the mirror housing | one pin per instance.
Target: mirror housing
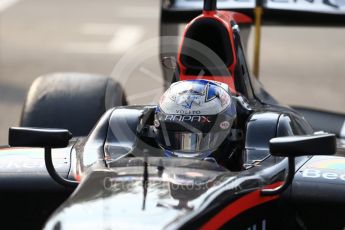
(43, 138)
(320, 144)
(294, 146)
(36, 137)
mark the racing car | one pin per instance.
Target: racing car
(84, 159)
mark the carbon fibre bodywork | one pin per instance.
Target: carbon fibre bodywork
(181, 193)
(190, 193)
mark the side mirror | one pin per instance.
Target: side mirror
(294, 146)
(43, 138)
(35, 137)
(320, 144)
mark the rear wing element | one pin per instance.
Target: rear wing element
(181, 5)
(320, 6)
(294, 12)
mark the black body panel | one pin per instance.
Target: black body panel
(317, 193)
(28, 194)
(185, 189)
(24, 169)
(321, 180)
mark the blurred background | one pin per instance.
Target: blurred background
(299, 65)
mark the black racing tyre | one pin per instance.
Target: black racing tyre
(73, 101)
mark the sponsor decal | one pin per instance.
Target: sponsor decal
(184, 118)
(188, 112)
(334, 164)
(224, 125)
(315, 173)
(15, 164)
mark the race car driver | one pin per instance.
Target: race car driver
(197, 119)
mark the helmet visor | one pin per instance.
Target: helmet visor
(189, 144)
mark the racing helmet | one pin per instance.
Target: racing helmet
(193, 118)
